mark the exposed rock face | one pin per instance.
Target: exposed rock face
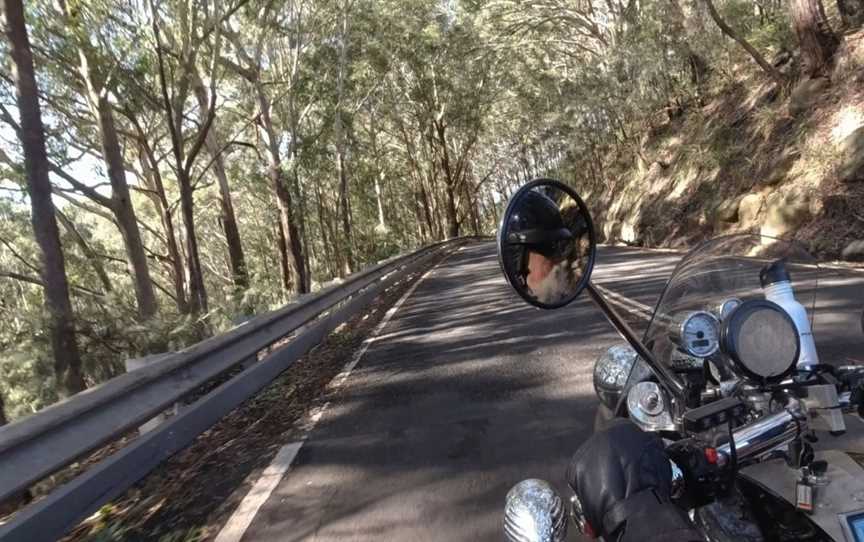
(748, 209)
(785, 212)
(805, 94)
(851, 167)
(727, 211)
(854, 251)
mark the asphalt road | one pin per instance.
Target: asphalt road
(466, 392)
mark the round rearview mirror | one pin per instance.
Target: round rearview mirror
(546, 243)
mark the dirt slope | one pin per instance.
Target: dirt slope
(752, 158)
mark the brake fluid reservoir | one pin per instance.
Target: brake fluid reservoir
(777, 286)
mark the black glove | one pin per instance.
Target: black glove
(623, 479)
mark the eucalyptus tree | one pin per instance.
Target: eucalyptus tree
(79, 91)
(767, 67)
(67, 359)
(251, 58)
(446, 83)
(816, 38)
(178, 49)
(216, 146)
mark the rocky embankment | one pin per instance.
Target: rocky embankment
(753, 158)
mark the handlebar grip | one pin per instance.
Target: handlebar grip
(763, 435)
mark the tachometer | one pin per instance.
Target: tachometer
(697, 333)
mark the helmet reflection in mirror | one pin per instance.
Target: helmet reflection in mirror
(546, 244)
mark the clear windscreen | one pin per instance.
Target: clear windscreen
(722, 272)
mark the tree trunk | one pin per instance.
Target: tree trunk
(697, 64)
(300, 220)
(293, 256)
(329, 251)
(450, 183)
(726, 29)
(183, 163)
(137, 258)
(67, 360)
(284, 257)
(197, 290)
(382, 225)
(344, 204)
(818, 42)
(427, 209)
(92, 258)
(153, 178)
(345, 215)
(227, 218)
(121, 202)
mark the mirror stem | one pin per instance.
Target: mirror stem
(662, 373)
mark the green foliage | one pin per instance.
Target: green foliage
(435, 111)
(774, 35)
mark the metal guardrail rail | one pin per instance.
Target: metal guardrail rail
(53, 438)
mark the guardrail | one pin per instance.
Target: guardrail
(55, 437)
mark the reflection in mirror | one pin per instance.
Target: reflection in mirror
(546, 244)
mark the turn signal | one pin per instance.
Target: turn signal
(711, 455)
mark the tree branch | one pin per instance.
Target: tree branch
(38, 282)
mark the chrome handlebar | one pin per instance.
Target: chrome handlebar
(765, 434)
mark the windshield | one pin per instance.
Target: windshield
(715, 277)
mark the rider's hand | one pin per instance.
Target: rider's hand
(623, 479)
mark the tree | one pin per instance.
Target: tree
(67, 360)
(294, 273)
(770, 70)
(216, 148)
(698, 65)
(341, 150)
(173, 101)
(96, 93)
(818, 42)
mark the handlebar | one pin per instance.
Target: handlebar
(764, 434)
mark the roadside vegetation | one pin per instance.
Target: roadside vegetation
(171, 168)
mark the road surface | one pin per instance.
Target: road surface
(467, 391)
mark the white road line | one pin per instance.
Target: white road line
(630, 305)
(242, 517)
(264, 486)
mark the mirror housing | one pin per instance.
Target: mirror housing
(546, 243)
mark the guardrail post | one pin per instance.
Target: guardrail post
(138, 363)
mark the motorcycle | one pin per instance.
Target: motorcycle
(727, 373)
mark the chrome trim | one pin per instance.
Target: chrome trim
(765, 434)
(611, 371)
(534, 512)
(720, 308)
(670, 380)
(682, 342)
(648, 407)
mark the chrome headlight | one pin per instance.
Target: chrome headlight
(534, 513)
(611, 371)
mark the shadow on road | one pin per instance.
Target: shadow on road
(466, 392)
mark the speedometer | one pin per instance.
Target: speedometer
(697, 333)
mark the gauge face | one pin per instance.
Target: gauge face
(700, 334)
(728, 306)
